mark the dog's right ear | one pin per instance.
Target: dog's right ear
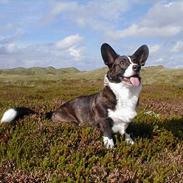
(108, 54)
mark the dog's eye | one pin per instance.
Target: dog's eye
(121, 62)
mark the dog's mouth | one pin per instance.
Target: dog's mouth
(132, 80)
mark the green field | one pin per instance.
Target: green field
(37, 150)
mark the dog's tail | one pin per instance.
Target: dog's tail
(13, 114)
(16, 113)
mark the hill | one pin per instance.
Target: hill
(150, 75)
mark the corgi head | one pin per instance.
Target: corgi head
(125, 69)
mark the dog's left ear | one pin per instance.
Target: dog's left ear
(108, 54)
(141, 54)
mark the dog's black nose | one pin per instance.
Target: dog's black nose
(136, 68)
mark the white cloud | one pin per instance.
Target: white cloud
(58, 8)
(72, 46)
(169, 55)
(168, 4)
(69, 41)
(98, 15)
(11, 47)
(154, 48)
(162, 20)
(76, 53)
(164, 14)
(178, 47)
(62, 53)
(144, 31)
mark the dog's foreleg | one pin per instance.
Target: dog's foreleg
(108, 142)
(107, 133)
(128, 139)
(122, 131)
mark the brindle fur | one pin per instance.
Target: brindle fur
(90, 109)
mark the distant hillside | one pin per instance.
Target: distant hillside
(160, 74)
(38, 70)
(152, 74)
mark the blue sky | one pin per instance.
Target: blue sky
(69, 33)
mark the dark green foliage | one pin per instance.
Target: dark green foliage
(37, 150)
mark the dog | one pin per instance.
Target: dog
(113, 108)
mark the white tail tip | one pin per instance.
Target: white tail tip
(9, 116)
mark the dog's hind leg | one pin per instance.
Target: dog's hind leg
(62, 116)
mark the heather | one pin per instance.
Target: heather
(36, 150)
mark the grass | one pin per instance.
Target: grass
(37, 150)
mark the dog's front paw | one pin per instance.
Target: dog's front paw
(128, 139)
(108, 143)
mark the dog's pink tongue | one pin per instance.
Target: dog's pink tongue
(135, 81)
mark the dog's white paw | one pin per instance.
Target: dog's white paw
(108, 143)
(128, 139)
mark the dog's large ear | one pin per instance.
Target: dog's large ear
(108, 54)
(141, 54)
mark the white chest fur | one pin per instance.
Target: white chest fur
(127, 98)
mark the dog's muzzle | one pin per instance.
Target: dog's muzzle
(136, 68)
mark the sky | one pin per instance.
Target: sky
(69, 33)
